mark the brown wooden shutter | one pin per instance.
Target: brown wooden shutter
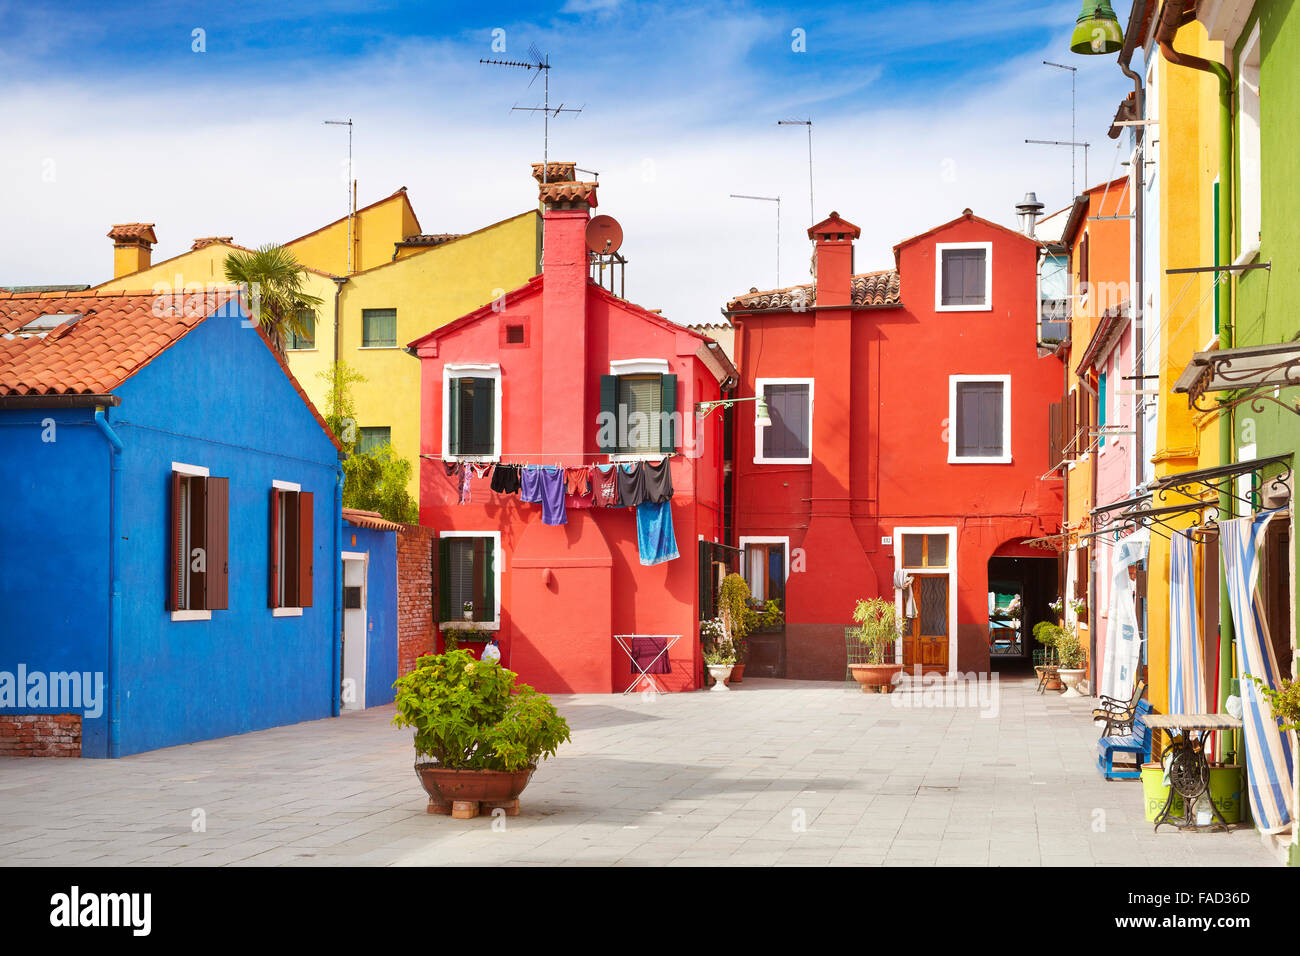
(218, 530)
(1054, 455)
(1069, 413)
(174, 563)
(198, 540)
(305, 538)
(289, 570)
(273, 598)
(1082, 573)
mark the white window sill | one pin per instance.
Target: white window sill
(191, 615)
(1000, 460)
(783, 461)
(640, 456)
(473, 459)
(986, 307)
(464, 625)
(312, 349)
(286, 612)
(379, 348)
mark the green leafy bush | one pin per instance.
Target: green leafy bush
(1283, 702)
(877, 621)
(472, 715)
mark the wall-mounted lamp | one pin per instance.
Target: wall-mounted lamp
(761, 418)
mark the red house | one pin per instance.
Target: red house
(562, 373)
(908, 433)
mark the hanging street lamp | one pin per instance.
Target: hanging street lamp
(1097, 30)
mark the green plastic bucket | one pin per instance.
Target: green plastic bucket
(1225, 791)
(1155, 792)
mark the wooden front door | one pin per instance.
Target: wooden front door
(927, 642)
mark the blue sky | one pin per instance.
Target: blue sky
(920, 109)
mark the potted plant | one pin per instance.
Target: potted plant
(877, 622)
(719, 659)
(1045, 634)
(1071, 658)
(738, 619)
(479, 734)
(467, 610)
(712, 633)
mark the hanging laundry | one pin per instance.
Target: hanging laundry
(461, 473)
(505, 479)
(631, 484)
(552, 485)
(605, 481)
(480, 469)
(648, 656)
(658, 481)
(465, 472)
(578, 486)
(530, 484)
(655, 540)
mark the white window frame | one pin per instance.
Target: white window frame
(746, 539)
(1248, 149)
(284, 611)
(950, 571)
(193, 471)
(498, 568)
(643, 366)
(939, 249)
(1005, 457)
(471, 370)
(760, 385)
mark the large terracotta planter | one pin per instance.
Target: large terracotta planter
(446, 787)
(737, 672)
(876, 678)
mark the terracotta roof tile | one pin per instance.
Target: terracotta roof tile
(868, 289)
(133, 232)
(369, 519)
(212, 240)
(556, 172)
(430, 239)
(567, 192)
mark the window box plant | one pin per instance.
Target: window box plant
(479, 734)
(877, 622)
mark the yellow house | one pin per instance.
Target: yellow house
(382, 283)
(1180, 310)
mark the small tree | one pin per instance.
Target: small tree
(272, 278)
(733, 611)
(340, 409)
(877, 621)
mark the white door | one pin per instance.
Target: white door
(354, 630)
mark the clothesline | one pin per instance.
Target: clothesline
(469, 459)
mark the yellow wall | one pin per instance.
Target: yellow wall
(375, 230)
(1188, 164)
(428, 290)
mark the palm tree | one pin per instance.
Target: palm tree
(273, 279)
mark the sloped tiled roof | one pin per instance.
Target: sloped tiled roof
(369, 519)
(204, 241)
(430, 239)
(868, 289)
(113, 336)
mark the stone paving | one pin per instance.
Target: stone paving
(773, 772)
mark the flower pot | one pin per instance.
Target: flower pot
(737, 672)
(445, 786)
(720, 673)
(876, 678)
(1070, 676)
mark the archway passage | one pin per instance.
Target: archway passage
(1020, 590)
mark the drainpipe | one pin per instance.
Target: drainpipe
(1174, 15)
(336, 564)
(115, 583)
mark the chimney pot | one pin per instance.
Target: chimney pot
(132, 247)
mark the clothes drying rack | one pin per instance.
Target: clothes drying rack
(642, 674)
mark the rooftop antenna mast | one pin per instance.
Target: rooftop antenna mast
(541, 63)
(1073, 140)
(777, 200)
(812, 220)
(352, 191)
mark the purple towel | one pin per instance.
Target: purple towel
(530, 484)
(553, 510)
(644, 650)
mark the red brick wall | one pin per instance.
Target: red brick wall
(416, 631)
(40, 735)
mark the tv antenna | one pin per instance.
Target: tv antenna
(541, 63)
(1073, 140)
(777, 200)
(351, 187)
(805, 122)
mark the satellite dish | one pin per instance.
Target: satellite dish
(604, 235)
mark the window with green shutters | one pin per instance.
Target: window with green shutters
(378, 328)
(638, 414)
(372, 439)
(306, 340)
(471, 417)
(467, 578)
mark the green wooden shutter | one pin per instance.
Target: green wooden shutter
(607, 432)
(484, 566)
(453, 416)
(668, 420)
(444, 579)
(481, 437)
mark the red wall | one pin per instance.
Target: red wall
(566, 590)
(881, 402)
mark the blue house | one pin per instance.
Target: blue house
(171, 551)
(369, 609)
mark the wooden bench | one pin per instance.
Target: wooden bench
(1119, 714)
(1136, 743)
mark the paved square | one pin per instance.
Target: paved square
(774, 772)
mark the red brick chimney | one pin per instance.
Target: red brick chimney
(566, 209)
(833, 259)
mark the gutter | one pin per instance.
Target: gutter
(115, 583)
(1175, 14)
(336, 564)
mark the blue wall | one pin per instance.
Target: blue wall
(54, 584)
(216, 399)
(381, 609)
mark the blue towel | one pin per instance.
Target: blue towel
(654, 532)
